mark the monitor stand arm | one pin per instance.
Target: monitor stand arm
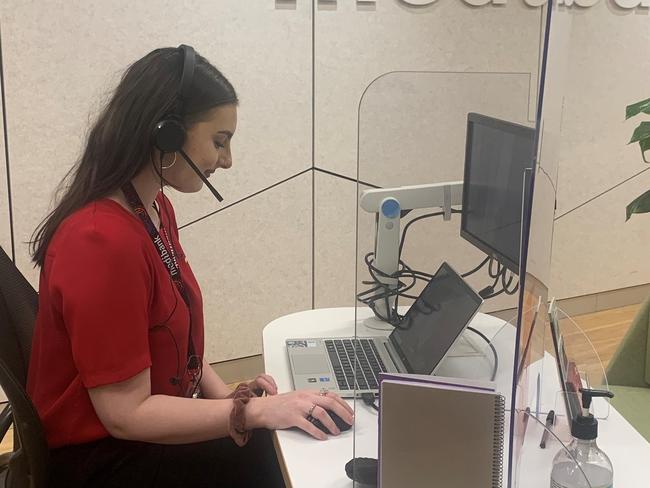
(388, 204)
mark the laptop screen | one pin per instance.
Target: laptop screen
(435, 320)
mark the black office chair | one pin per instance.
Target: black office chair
(27, 465)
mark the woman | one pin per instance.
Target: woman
(117, 372)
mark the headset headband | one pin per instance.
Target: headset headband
(187, 75)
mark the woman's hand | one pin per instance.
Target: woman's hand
(293, 409)
(263, 383)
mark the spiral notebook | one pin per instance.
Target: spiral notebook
(436, 431)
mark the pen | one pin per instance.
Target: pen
(538, 403)
(550, 420)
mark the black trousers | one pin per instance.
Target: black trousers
(112, 463)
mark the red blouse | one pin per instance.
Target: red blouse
(108, 310)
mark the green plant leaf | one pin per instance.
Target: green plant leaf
(641, 132)
(645, 146)
(637, 108)
(640, 205)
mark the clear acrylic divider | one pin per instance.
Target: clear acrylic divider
(566, 406)
(478, 354)
(581, 365)
(530, 375)
(412, 131)
(541, 445)
(540, 390)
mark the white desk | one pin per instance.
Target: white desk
(311, 463)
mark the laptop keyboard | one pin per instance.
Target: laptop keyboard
(343, 354)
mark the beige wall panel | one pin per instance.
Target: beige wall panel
(414, 126)
(429, 242)
(606, 75)
(335, 240)
(595, 249)
(353, 47)
(63, 56)
(253, 262)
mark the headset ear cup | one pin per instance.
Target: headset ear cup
(169, 135)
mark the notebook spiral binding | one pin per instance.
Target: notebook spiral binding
(497, 451)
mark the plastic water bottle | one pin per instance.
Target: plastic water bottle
(591, 468)
(583, 464)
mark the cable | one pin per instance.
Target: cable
(425, 216)
(488, 291)
(494, 351)
(369, 399)
(383, 291)
(506, 286)
(406, 227)
(176, 380)
(499, 268)
(500, 275)
(495, 294)
(471, 272)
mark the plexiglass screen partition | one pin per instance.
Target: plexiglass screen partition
(433, 144)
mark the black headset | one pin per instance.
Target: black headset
(169, 133)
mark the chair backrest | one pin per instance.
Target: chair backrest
(22, 305)
(18, 307)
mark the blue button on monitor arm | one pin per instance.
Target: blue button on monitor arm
(388, 204)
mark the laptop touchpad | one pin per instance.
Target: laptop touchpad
(310, 364)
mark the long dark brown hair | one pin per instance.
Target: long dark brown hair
(119, 144)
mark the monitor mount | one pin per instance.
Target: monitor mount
(388, 205)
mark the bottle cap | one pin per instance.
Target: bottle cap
(584, 427)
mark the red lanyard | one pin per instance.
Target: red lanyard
(168, 257)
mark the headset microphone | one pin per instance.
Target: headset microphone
(201, 175)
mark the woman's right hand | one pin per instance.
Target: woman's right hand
(292, 410)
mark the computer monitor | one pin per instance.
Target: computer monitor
(496, 154)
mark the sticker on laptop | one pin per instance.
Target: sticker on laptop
(300, 344)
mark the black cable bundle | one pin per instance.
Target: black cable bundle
(382, 292)
(500, 275)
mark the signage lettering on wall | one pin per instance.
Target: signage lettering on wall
(624, 4)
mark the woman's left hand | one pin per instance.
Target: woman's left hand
(263, 383)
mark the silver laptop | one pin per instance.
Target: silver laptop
(427, 332)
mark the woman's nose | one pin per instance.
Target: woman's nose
(225, 161)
